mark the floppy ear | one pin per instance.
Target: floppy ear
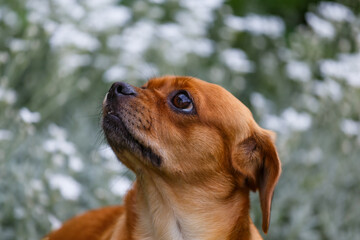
(256, 158)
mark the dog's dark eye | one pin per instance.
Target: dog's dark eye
(182, 101)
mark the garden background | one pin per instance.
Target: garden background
(295, 64)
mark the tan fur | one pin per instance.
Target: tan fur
(210, 160)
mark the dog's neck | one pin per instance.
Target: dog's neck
(177, 211)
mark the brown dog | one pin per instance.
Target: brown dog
(196, 151)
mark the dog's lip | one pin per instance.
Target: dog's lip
(108, 110)
(113, 114)
(145, 151)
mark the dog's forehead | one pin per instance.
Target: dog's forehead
(191, 84)
(212, 101)
(173, 82)
(213, 95)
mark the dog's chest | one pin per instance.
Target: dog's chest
(160, 224)
(165, 223)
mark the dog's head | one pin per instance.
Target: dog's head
(189, 129)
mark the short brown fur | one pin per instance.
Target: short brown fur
(194, 170)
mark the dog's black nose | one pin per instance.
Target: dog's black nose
(121, 88)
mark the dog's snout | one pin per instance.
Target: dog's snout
(121, 89)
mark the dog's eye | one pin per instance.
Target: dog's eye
(182, 101)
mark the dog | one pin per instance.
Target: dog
(196, 151)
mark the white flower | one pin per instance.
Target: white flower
(29, 117)
(39, 11)
(107, 18)
(147, 70)
(350, 127)
(157, 1)
(55, 222)
(95, 4)
(320, 26)
(314, 156)
(71, 8)
(76, 164)
(329, 88)
(36, 185)
(57, 159)
(56, 131)
(6, 134)
(106, 152)
(290, 120)
(115, 73)
(18, 45)
(19, 212)
(137, 39)
(211, 4)
(58, 143)
(202, 10)
(4, 56)
(61, 145)
(275, 123)
(67, 35)
(298, 71)
(7, 95)
(258, 101)
(237, 60)
(70, 62)
(297, 121)
(190, 25)
(120, 185)
(170, 32)
(202, 47)
(68, 187)
(335, 11)
(347, 68)
(112, 163)
(9, 17)
(256, 24)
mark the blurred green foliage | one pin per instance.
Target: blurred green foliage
(295, 64)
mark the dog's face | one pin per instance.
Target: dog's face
(189, 129)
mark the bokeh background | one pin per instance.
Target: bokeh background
(295, 64)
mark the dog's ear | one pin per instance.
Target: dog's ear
(257, 160)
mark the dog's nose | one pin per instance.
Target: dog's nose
(121, 88)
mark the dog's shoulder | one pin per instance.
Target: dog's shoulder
(89, 224)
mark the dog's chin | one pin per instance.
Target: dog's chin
(120, 138)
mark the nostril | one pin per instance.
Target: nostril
(118, 89)
(121, 88)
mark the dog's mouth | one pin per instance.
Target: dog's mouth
(120, 137)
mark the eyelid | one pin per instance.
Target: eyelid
(183, 111)
(186, 93)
